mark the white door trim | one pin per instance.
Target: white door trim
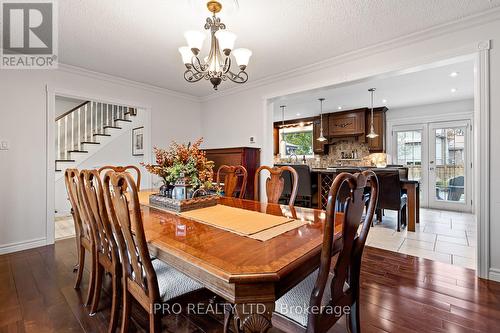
(481, 170)
(51, 93)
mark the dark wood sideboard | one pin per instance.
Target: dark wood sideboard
(245, 156)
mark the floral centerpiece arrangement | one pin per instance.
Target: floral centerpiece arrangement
(186, 163)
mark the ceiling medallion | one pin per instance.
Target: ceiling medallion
(216, 67)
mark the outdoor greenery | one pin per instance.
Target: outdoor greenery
(303, 141)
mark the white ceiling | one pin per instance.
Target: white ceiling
(138, 40)
(427, 86)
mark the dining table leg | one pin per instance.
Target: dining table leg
(253, 317)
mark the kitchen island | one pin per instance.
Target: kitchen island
(325, 177)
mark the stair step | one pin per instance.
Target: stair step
(100, 134)
(116, 127)
(77, 151)
(127, 120)
(69, 161)
(90, 143)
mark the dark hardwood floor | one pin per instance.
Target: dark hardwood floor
(400, 293)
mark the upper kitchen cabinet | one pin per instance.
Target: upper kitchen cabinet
(319, 147)
(347, 123)
(376, 145)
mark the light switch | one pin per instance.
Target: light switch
(4, 145)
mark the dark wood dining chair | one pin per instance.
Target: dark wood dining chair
(123, 169)
(393, 197)
(275, 183)
(149, 282)
(326, 290)
(232, 174)
(84, 233)
(107, 257)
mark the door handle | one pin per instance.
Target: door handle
(431, 168)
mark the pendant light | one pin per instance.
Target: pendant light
(372, 134)
(321, 137)
(283, 123)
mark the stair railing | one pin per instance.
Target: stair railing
(80, 124)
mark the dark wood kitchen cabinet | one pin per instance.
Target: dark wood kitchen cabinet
(245, 156)
(376, 145)
(347, 123)
(318, 146)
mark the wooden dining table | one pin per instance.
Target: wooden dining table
(249, 273)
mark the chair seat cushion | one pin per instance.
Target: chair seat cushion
(171, 282)
(294, 304)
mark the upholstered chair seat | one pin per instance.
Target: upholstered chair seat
(294, 303)
(171, 282)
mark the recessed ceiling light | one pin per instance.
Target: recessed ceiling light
(384, 101)
(298, 114)
(339, 108)
(454, 74)
(453, 90)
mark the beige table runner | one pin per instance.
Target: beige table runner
(243, 222)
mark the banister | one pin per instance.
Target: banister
(73, 109)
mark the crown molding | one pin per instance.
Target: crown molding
(429, 33)
(125, 82)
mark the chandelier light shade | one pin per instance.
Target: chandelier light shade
(195, 40)
(372, 134)
(321, 137)
(216, 66)
(242, 57)
(186, 54)
(226, 41)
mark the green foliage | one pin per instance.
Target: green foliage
(303, 140)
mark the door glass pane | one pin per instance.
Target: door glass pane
(409, 152)
(449, 164)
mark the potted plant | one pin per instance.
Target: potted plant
(188, 162)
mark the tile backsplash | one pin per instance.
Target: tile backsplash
(339, 154)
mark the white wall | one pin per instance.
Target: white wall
(429, 111)
(63, 105)
(244, 112)
(23, 113)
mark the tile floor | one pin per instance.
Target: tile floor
(64, 227)
(448, 237)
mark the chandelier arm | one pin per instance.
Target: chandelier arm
(227, 65)
(241, 77)
(197, 65)
(191, 76)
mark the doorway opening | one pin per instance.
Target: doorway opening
(89, 133)
(426, 118)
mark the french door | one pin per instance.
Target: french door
(437, 155)
(449, 166)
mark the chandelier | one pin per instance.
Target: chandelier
(215, 67)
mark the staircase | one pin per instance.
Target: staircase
(83, 130)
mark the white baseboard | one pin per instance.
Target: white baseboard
(20, 246)
(494, 274)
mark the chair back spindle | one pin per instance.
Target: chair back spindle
(275, 183)
(344, 283)
(123, 169)
(122, 203)
(231, 179)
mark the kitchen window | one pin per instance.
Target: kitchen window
(296, 140)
